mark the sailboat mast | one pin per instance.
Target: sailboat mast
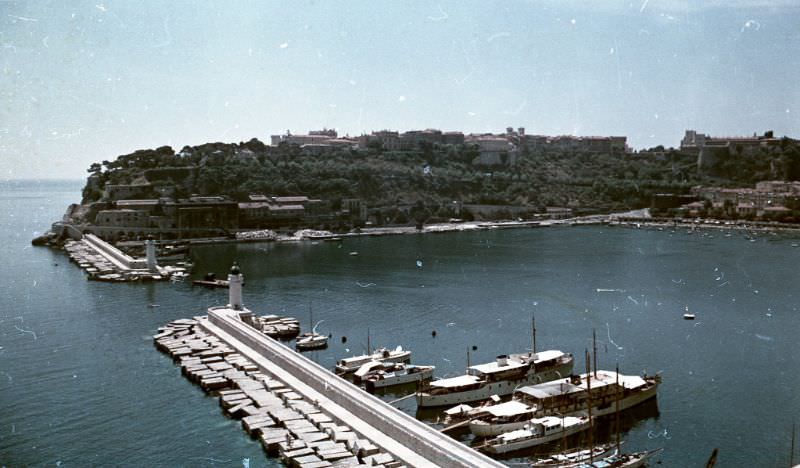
(589, 406)
(617, 407)
(533, 333)
(369, 349)
(791, 455)
(594, 351)
(468, 359)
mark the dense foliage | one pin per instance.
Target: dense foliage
(433, 176)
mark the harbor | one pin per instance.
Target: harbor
(302, 412)
(87, 347)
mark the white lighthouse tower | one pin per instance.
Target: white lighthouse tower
(235, 280)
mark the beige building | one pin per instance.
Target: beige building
(122, 218)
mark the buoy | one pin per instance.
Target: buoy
(474, 348)
(433, 333)
(344, 339)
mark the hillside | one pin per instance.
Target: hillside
(434, 176)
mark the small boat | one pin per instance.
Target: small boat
(503, 417)
(571, 459)
(311, 340)
(210, 281)
(628, 460)
(353, 253)
(538, 431)
(398, 375)
(687, 315)
(352, 364)
(369, 367)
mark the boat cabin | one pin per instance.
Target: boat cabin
(455, 384)
(503, 368)
(569, 394)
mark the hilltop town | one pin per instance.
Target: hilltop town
(323, 180)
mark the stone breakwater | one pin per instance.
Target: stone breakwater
(288, 426)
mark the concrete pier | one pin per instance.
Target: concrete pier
(410, 440)
(121, 260)
(323, 418)
(105, 262)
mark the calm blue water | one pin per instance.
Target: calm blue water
(81, 383)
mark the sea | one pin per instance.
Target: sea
(81, 383)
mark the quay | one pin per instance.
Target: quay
(298, 409)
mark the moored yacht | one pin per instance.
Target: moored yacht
(352, 364)
(397, 375)
(576, 457)
(628, 460)
(538, 431)
(566, 396)
(500, 377)
(311, 340)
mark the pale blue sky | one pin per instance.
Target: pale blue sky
(87, 81)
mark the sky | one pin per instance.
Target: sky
(86, 81)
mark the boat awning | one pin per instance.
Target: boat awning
(550, 389)
(548, 355)
(631, 381)
(492, 367)
(460, 381)
(606, 378)
(364, 369)
(548, 421)
(507, 409)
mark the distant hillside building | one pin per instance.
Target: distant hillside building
(276, 212)
(493, 150)
(588, 144)
(711, 149)
(385, 139)
(411, 139)
(313, 137)
(769, 199)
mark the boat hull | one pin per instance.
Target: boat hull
(400, 379)
(308, 345)
(534, 442)
(481, 429)
(575, 459)
(633, 460)
(500, 388)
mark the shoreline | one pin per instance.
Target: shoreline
(622, 220)
(636, 219)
